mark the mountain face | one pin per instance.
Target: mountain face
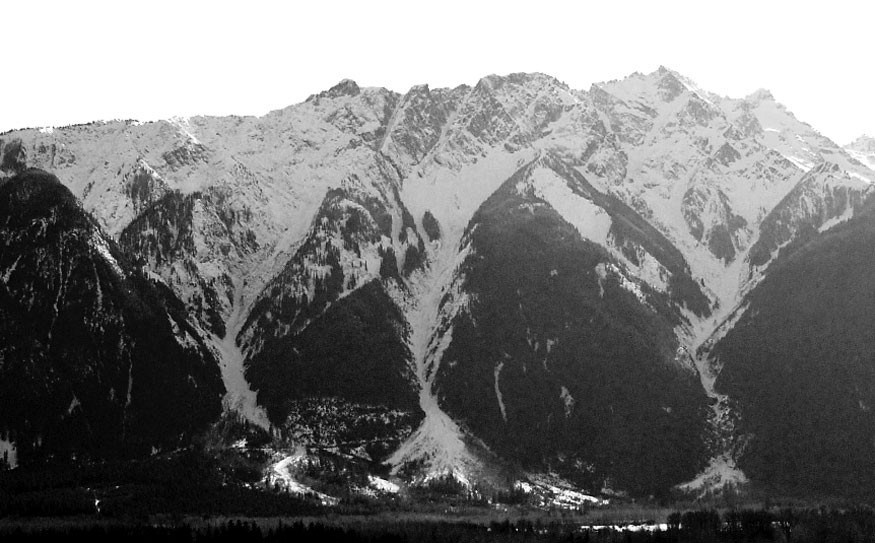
(863, 149)
(798, 364)
(514, 273)
(96, 359)
(544, 382)
(326, 327)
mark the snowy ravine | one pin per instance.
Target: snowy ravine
(729, 288)
(438, 442)
(239, 396)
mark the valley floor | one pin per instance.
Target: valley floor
(736, 525)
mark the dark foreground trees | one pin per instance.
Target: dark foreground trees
(852, 525)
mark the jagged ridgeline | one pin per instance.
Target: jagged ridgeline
(511, 277)
(95, 358)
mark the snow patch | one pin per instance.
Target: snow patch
(568, 400)
(591, 221)
(867, 160)
(497, 375)
(801, 163)
(130, 385)
(602, 273)
(8, 273)
(9, 452)
(102, 247)
(627, 284)
(183, 337)
(73, 405)
(281, 472)
(835, 221)
(382, 485)
(645, 527)
(555, 492)
(864, 179)
(720, 473)
(649, 269)
(184, 126)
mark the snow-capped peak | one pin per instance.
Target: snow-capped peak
(346, 87)
(760, 95)
(657, 90)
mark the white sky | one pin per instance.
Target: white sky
(76, 61)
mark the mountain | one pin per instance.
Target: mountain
(863, 149)
(798, 364)
(96, 359)
(485, 281)
(549, 379)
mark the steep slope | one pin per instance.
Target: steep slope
(277, 168)
(705, 175)
(703, 170)
(326, 328)
(215, 207)
(173, 235)
(344, 380)
(825, 196)
(554, 332)
(694, 171)
(729, 182)
(708, 171)
(798, 365)
(95, 359)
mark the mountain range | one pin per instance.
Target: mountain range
(638, 288)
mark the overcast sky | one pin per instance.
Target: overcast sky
(75, 61)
